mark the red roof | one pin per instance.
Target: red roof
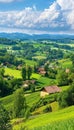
(52, 89)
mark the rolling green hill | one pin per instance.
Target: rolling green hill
(60, 120)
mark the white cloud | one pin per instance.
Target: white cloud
(66, 4)
(8, 1)
(59, 17)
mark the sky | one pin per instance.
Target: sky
(37, 16)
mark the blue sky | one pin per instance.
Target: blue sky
(37, 16)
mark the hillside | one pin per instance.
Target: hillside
(37, 83)
(63, 118)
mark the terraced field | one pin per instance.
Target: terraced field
(61, 120)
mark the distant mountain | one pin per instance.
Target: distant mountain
(35, 36)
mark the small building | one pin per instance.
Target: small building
(41, 71)
(19, 67)
(50, 90)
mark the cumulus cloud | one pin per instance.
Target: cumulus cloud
(59, 17)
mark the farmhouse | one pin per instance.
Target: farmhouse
(49, 90)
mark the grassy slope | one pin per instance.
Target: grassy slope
(65, 63)
(50, 119)
(17, 73)
(30, 99)
(13, 72)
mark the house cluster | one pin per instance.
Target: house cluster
(28, 82)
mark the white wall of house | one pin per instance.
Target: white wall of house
(43, 94)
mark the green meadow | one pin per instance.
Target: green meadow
(13, 72)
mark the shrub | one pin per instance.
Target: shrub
(47, 109)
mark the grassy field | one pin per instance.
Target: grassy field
(44, 81)
(13, 72)
(67, 124)
(65, 63)
(40, 110)
(64, 88)
(39, 57)
(30, 99)
(64, 118)
(17, 73)
(30, 62)
(36, 76)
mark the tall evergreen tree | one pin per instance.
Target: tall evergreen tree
(24, 73)
(29, 72)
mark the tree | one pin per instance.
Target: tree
(2, 71)
(71, 78)
(32, 87)
(24, 73)
(4, 119)
(29, 72)
(72, 59)
(5, 87)
(62, 78)
(20, 106)
(46, 67)
(67, 98)
(16, 83)
(35, 68)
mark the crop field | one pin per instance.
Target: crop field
(60, 125)
(36, 76)
(13, 72)
(44, 81)
(30, 99)
(60, 120)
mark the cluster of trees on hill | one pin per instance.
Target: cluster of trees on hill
(5, 57)
(67, 98)
(7, 41)
(55, 54)
(28, 50)
(8, 84)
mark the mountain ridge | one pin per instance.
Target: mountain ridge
(35, 36)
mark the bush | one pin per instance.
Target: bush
(47, 109)
(4, 119)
